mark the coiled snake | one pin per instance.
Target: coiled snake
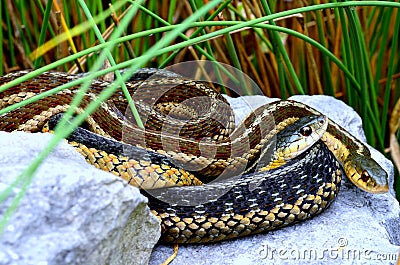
(281, 165)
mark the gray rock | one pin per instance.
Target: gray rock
(358, 228)
(72, 212)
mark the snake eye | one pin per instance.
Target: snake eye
(365, 176)
(306, 131)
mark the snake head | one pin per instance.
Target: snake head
(367, 174)
(295, 139)
(301, 135)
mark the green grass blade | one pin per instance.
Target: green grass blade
(326, 67)
(391, 68)
(43, 31)
(282, 51)
(110, 58)
(195, 33)
(1, 38)
(347, 56)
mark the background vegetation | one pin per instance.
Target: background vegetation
(346, 49)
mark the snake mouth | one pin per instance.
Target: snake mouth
(379, 189)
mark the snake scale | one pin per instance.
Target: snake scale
(188, 150)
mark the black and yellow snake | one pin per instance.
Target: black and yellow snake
(278, 167)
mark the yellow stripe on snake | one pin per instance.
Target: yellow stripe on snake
(206, 180)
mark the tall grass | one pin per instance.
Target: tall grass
(346, 49)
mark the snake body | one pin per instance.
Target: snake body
(252, 202)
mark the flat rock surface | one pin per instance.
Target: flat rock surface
(358, 228)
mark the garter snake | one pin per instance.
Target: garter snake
(295, 189)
